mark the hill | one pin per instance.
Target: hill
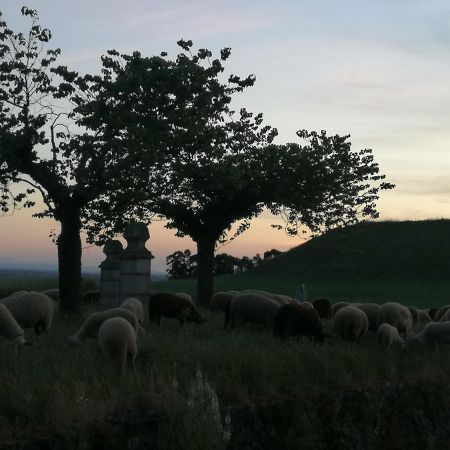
(416, 249)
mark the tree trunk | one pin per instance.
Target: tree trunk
(69, 259)
(205, 267)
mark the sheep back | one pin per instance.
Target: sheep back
(117, 339)
(294, 319)
(221, 300)
(252, 307)
(371, 310)
(388, 335)
(90, 327)
(9, 328)
(396, 315)
(350, 323)
(167, 304)
(134, 305)
(31, 310)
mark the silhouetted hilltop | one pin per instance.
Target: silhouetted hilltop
(370, 249)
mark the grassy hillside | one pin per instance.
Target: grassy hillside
(371, 249)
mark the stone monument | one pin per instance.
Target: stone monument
(110, 275)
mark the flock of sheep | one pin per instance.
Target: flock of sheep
(117, 329)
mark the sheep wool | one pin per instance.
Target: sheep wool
(434, 333)
(93, 322)
(53, 294)
(423, 316)
(134, 305)
(221, 300)
(167, 304)
(396, 315)
(280, 299)
(440, 312)
(336, 307)
(184, 295)
(294, 319)
(117, 339)
(371, 310)
(251, 307)
(389, 336)
(350, 323)
(9, 328)
(31, 310)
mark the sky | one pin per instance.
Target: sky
(375, 70)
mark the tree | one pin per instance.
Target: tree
(225, 264)
(51, 142)
(224, 168)
(271, 254)
(181, 265)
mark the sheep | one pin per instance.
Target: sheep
(371, 310)
(337, 306)
(396, 315)
(167, 304)
(350, 323)
(91, 296)
(414, 313)
(440, 312)
(445, 317)
(13, 294)
(134, 305)
(251, 307)
(432, 313)
(9, 328)
(184, 295)
(117, 339)
(221, 300)
(433, 333)
(323, 307)
(93, 322)
(53, 294)
(294, 319)
(388, 335)
(423, 316)
(280, 299)
(31, 310)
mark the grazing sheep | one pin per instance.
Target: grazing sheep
(423, 316)
(184, 295)
(280, 299)
(350, 323)
(13, 294)
(396, 315)
(414, 313)
(9, 328)
(90, 297)
(433, 333)
(251, 307)
(134, 305)
(31, 310)
(371, 310)
(93, 322)
(294, 319)
(117, 339)
(323, 307)
(337, 306)
(167, 304)
(221, 300)
(53, 294)
(388, 335)
(440, 312)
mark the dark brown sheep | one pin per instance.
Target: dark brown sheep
(295, 319)
(323, 307)
(167, 304)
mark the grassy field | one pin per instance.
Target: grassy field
(191, 374)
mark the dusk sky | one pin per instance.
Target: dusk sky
(378, 71)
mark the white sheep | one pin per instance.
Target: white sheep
(350, 323)
(251, 307)
(389, 336)
(371, 310)
(433, 333)
(396, 315)
(184, 295)
(445, 317)
(337, 306)
(9, 328)
(440, 312)
(53, 294)
(93, 322)
(117, 339)
(134, 305)
(31, 310)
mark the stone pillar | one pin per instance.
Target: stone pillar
(135, 263)
(110, 275)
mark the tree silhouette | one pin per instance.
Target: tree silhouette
(221, 167)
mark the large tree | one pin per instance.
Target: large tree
(222, 168)
(49, 141)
